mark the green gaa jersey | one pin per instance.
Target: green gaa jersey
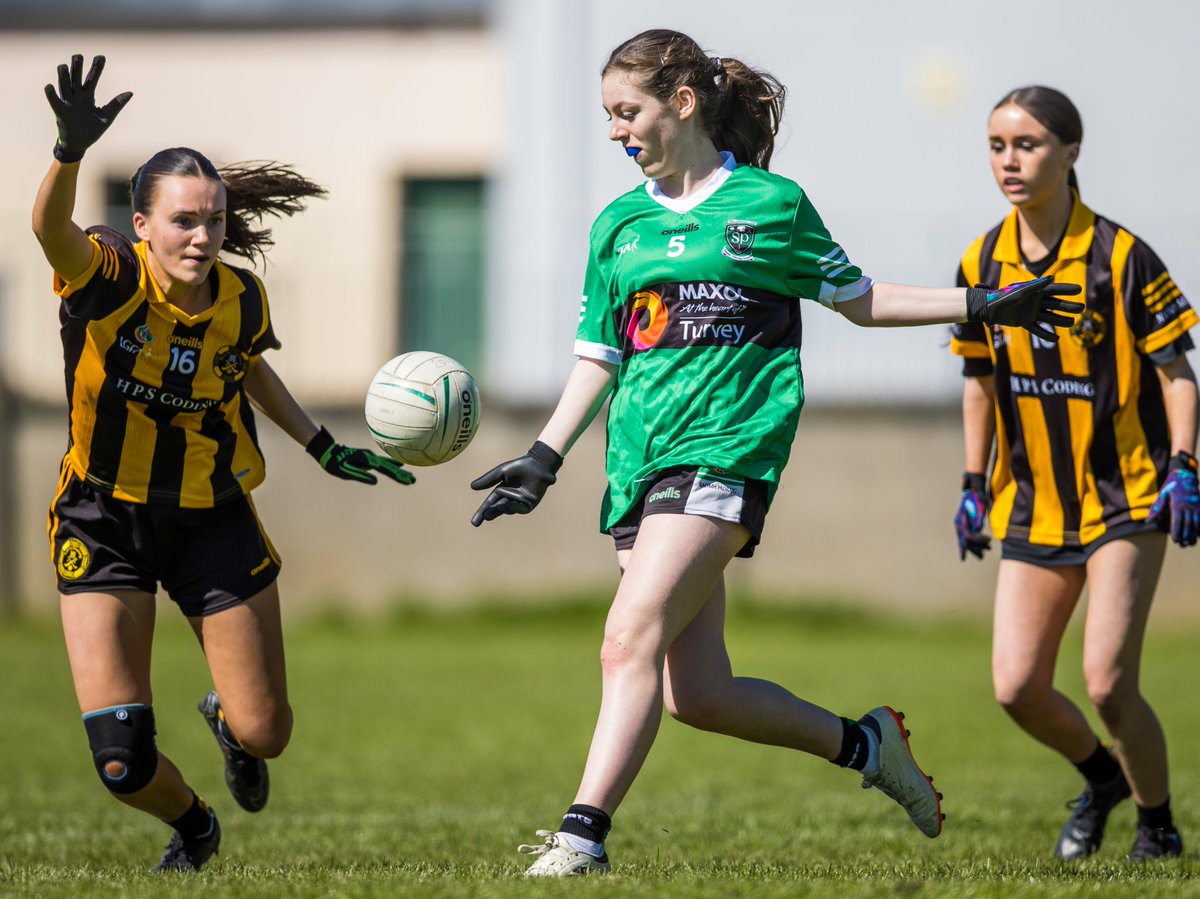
(695, 301)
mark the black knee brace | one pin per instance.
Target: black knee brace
(125, 734)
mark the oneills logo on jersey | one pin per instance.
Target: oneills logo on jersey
(739, 240)
(1089, 329)
(231, 364)
(73, 559)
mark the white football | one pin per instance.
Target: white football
(422, 408)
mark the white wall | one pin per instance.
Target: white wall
(885, 128)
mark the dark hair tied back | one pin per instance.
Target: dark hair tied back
(252, 190)
(741, 107)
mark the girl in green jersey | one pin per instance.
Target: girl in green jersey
(689, 323)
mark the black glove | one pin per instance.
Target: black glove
(352, 464)
(971, 515)
(80, 122)
(520, 484)
(1034, 305)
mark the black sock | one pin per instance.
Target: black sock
(196, 822)
(855, 748)
(1099, 767)
(588, 822)
(1157, 818)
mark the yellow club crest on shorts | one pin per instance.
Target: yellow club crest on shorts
(73, 559)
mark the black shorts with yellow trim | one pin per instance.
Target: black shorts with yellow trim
(697, 491)
(207, 560)
(1071, 556)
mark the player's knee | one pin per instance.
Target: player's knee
(123, 747)
(1020, 698)
(697, 711)
(1110, 697)
(265, 736)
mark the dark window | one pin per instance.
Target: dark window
(442, 268)
(117, 214)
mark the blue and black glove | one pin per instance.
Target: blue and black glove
(519, 484)
(1034, 305)
(352, 464)
(80, 121)
(1181, 496)
(971, 515)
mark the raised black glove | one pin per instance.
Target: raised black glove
(1034, 305)
(519, 484)
(352, 464)
(80, 122)
(971, 515)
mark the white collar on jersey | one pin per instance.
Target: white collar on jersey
(687, 204)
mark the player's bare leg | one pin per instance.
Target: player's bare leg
(248, 711)
(1122, 577)
(108, 638)
(701, 691)
(671, 572)
(1033, 606)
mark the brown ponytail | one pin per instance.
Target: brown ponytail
(252, 190)
(740, 106)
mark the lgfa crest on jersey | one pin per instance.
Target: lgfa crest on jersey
(739, 239)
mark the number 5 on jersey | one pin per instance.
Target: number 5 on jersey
(676, 246)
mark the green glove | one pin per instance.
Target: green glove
(352, 464)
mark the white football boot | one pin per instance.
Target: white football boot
(897, 774)
(558, 858)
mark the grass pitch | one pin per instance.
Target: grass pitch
(427, 746)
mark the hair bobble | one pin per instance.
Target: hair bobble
(718, 69)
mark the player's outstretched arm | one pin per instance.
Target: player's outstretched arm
(270, 395)
(80, 124)
(518, 485)
(1036, 305)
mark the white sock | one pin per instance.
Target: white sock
(871, 768)
(582, 844)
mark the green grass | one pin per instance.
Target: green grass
(427, 746)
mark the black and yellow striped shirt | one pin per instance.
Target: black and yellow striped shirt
(158, 413)
(1081, 428)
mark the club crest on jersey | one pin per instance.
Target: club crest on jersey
(73, 559)
(739, 239)
(143, 334)
(1089, 329)
(231, 364)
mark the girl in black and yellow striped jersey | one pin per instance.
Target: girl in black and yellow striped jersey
(163, 347)
(1094, 441)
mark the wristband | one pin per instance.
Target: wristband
(974, 481)
(320, 444)
(546, 455)
(62, 154)
(1182, 461)
(977, 301)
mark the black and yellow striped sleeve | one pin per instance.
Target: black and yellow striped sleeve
(1157, 311)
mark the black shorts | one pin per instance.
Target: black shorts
(206, 559)
(1071, 556)
(687, 491)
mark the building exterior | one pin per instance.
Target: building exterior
(464, 147)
